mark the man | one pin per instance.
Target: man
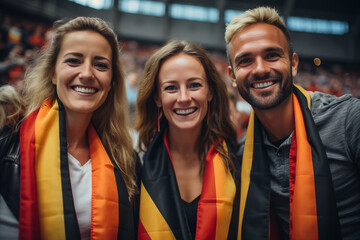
(301, 159)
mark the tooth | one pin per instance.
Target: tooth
(185, 111)
(262, 85)
(84, 90)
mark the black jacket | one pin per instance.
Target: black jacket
(10, 169)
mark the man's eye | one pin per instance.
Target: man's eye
(272, 56)
(244, 62)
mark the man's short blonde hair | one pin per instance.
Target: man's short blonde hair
(257, 15)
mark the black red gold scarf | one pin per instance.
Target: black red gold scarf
(313, 211)
(161, 213)
(46, 202)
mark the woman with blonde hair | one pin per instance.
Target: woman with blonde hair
(77, 177)
(11, 106)
(190, 174)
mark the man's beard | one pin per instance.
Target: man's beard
(257, 102)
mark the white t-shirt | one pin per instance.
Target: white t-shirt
(81, 185)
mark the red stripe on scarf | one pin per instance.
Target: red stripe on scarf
(142, 233)
(206, 217)
(292, 168)
(29, 226)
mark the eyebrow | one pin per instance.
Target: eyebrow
(81, 55)
(188, 80)
(269, 49)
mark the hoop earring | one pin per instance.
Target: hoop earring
(208, 114)
(158, 120)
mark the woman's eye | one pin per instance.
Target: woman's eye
(73, 61)
(195, 85)
(170, 88)
(102, 66)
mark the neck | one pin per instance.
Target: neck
(278, 122)
(184, 142)
(76, 130)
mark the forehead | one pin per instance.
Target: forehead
(181, 66)
(85, 40)
(257, 36)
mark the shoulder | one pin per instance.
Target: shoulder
(9, 145)
(324, 102)
(325, 106)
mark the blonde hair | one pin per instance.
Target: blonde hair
(219, 125)
(111, 119)
(11, 106)
(257, 15)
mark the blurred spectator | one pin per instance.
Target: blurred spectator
(36, 39)
(11, 106)
(131, 84)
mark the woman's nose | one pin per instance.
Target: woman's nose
(86, 71)
(184, 95)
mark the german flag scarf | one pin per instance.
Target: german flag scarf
(313, 211)
(162, 215)
(46, 202)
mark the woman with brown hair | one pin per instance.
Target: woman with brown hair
(189, 176)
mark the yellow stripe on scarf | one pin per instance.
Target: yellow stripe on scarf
(151, 218)
(305, 93)
(246, 169)
(225, 192)
(47, 166)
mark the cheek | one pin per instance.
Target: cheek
(167, 101)
(107, 82)
(239, 76)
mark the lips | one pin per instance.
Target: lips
(259, 85)
(185, 111)
(84, 89)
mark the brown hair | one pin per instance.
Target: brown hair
(219, 125)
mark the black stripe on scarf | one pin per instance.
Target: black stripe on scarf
(257, 208)
(159, 180)
(71, 224)
(234, 223)
(328, 220)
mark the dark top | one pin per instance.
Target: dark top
(191, 214)
(338, 122)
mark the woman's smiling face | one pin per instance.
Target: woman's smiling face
(83, 71)
(183, 92)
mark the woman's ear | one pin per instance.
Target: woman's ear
(157, 100)
(210, 94)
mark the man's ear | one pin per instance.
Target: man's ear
(294, 64)
(231, 74)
